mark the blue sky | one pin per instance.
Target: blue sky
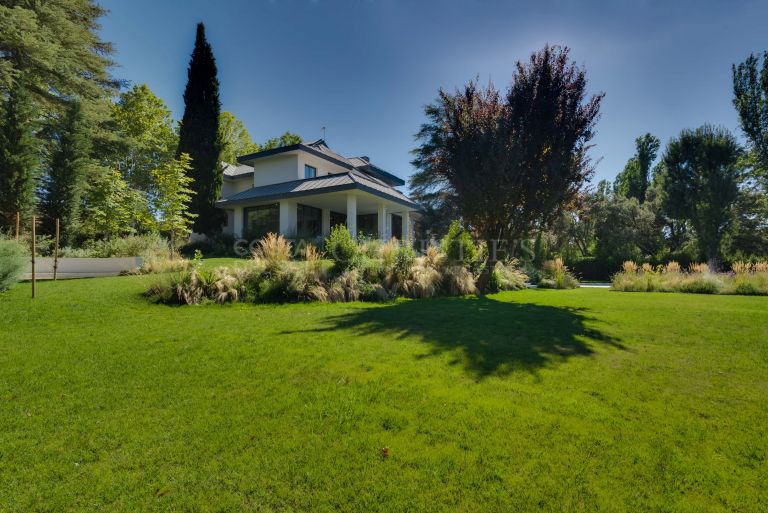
(365, 68)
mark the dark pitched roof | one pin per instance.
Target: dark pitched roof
(330, 183)
(232, 172)
(320, 149)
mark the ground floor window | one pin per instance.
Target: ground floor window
(309, 222)
(367, 224)
(338, 218)
(397, 227)
(261, 220)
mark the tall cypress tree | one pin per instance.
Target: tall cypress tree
(19, 157)
(199, 136)
(64, 184)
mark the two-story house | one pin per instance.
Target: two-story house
(303, 189)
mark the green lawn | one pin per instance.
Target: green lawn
(535, 400)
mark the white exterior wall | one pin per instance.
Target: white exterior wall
(231, 187)
(323, 166)
(276, 169)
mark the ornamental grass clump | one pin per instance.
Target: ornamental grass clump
(556, 275)
(274, 251)
(507, 276)
(744, 279)
(748, 279)
(362, 270)
(345, 287)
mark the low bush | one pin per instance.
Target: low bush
(221, 245)
(342, 248)
(744, 279)
(146, 246)
(13, 262)
(458, 245)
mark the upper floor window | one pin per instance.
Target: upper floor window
(309, 171)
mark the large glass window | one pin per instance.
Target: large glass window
(367, 224)
(309, 222)
(397, 227)
(261, 220)
(309, 171)
(338, 218)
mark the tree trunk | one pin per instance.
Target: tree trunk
(485, 276)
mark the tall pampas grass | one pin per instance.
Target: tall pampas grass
(273, 250)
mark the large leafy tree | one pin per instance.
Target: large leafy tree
(173, 199)
(19, 157)
(145, 136)
(66, 179)
(200, 138)
(633, 181)
(702, 173)
(750, 90)
(510, 162)
(287, 139)
(112, 208)
(235, 138)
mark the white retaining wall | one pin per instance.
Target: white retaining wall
(82, 267)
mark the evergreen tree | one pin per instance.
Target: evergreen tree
(200, 137)
(19, 158)
(55, 46)
(65, 182)
(634, 180)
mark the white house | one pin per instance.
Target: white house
(303, 189)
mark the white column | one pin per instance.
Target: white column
(288, 218)
(406, 226)
(326, 221)
(352, 214)
(382, 219)
(237, 225)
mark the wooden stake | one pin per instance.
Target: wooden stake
(56, 252)
(34, 248)
(18, 225)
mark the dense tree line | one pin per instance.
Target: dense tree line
(82, 146)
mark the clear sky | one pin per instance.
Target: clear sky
(365, 68)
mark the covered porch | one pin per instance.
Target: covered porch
(312, 216)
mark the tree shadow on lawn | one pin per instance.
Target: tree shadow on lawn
(496, 337)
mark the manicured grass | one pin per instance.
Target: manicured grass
(535, 400)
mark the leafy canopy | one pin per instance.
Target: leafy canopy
(701, 181)
(145, 136)
(633, 181)
(174, 196)
(510, 162)
(750, 91)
